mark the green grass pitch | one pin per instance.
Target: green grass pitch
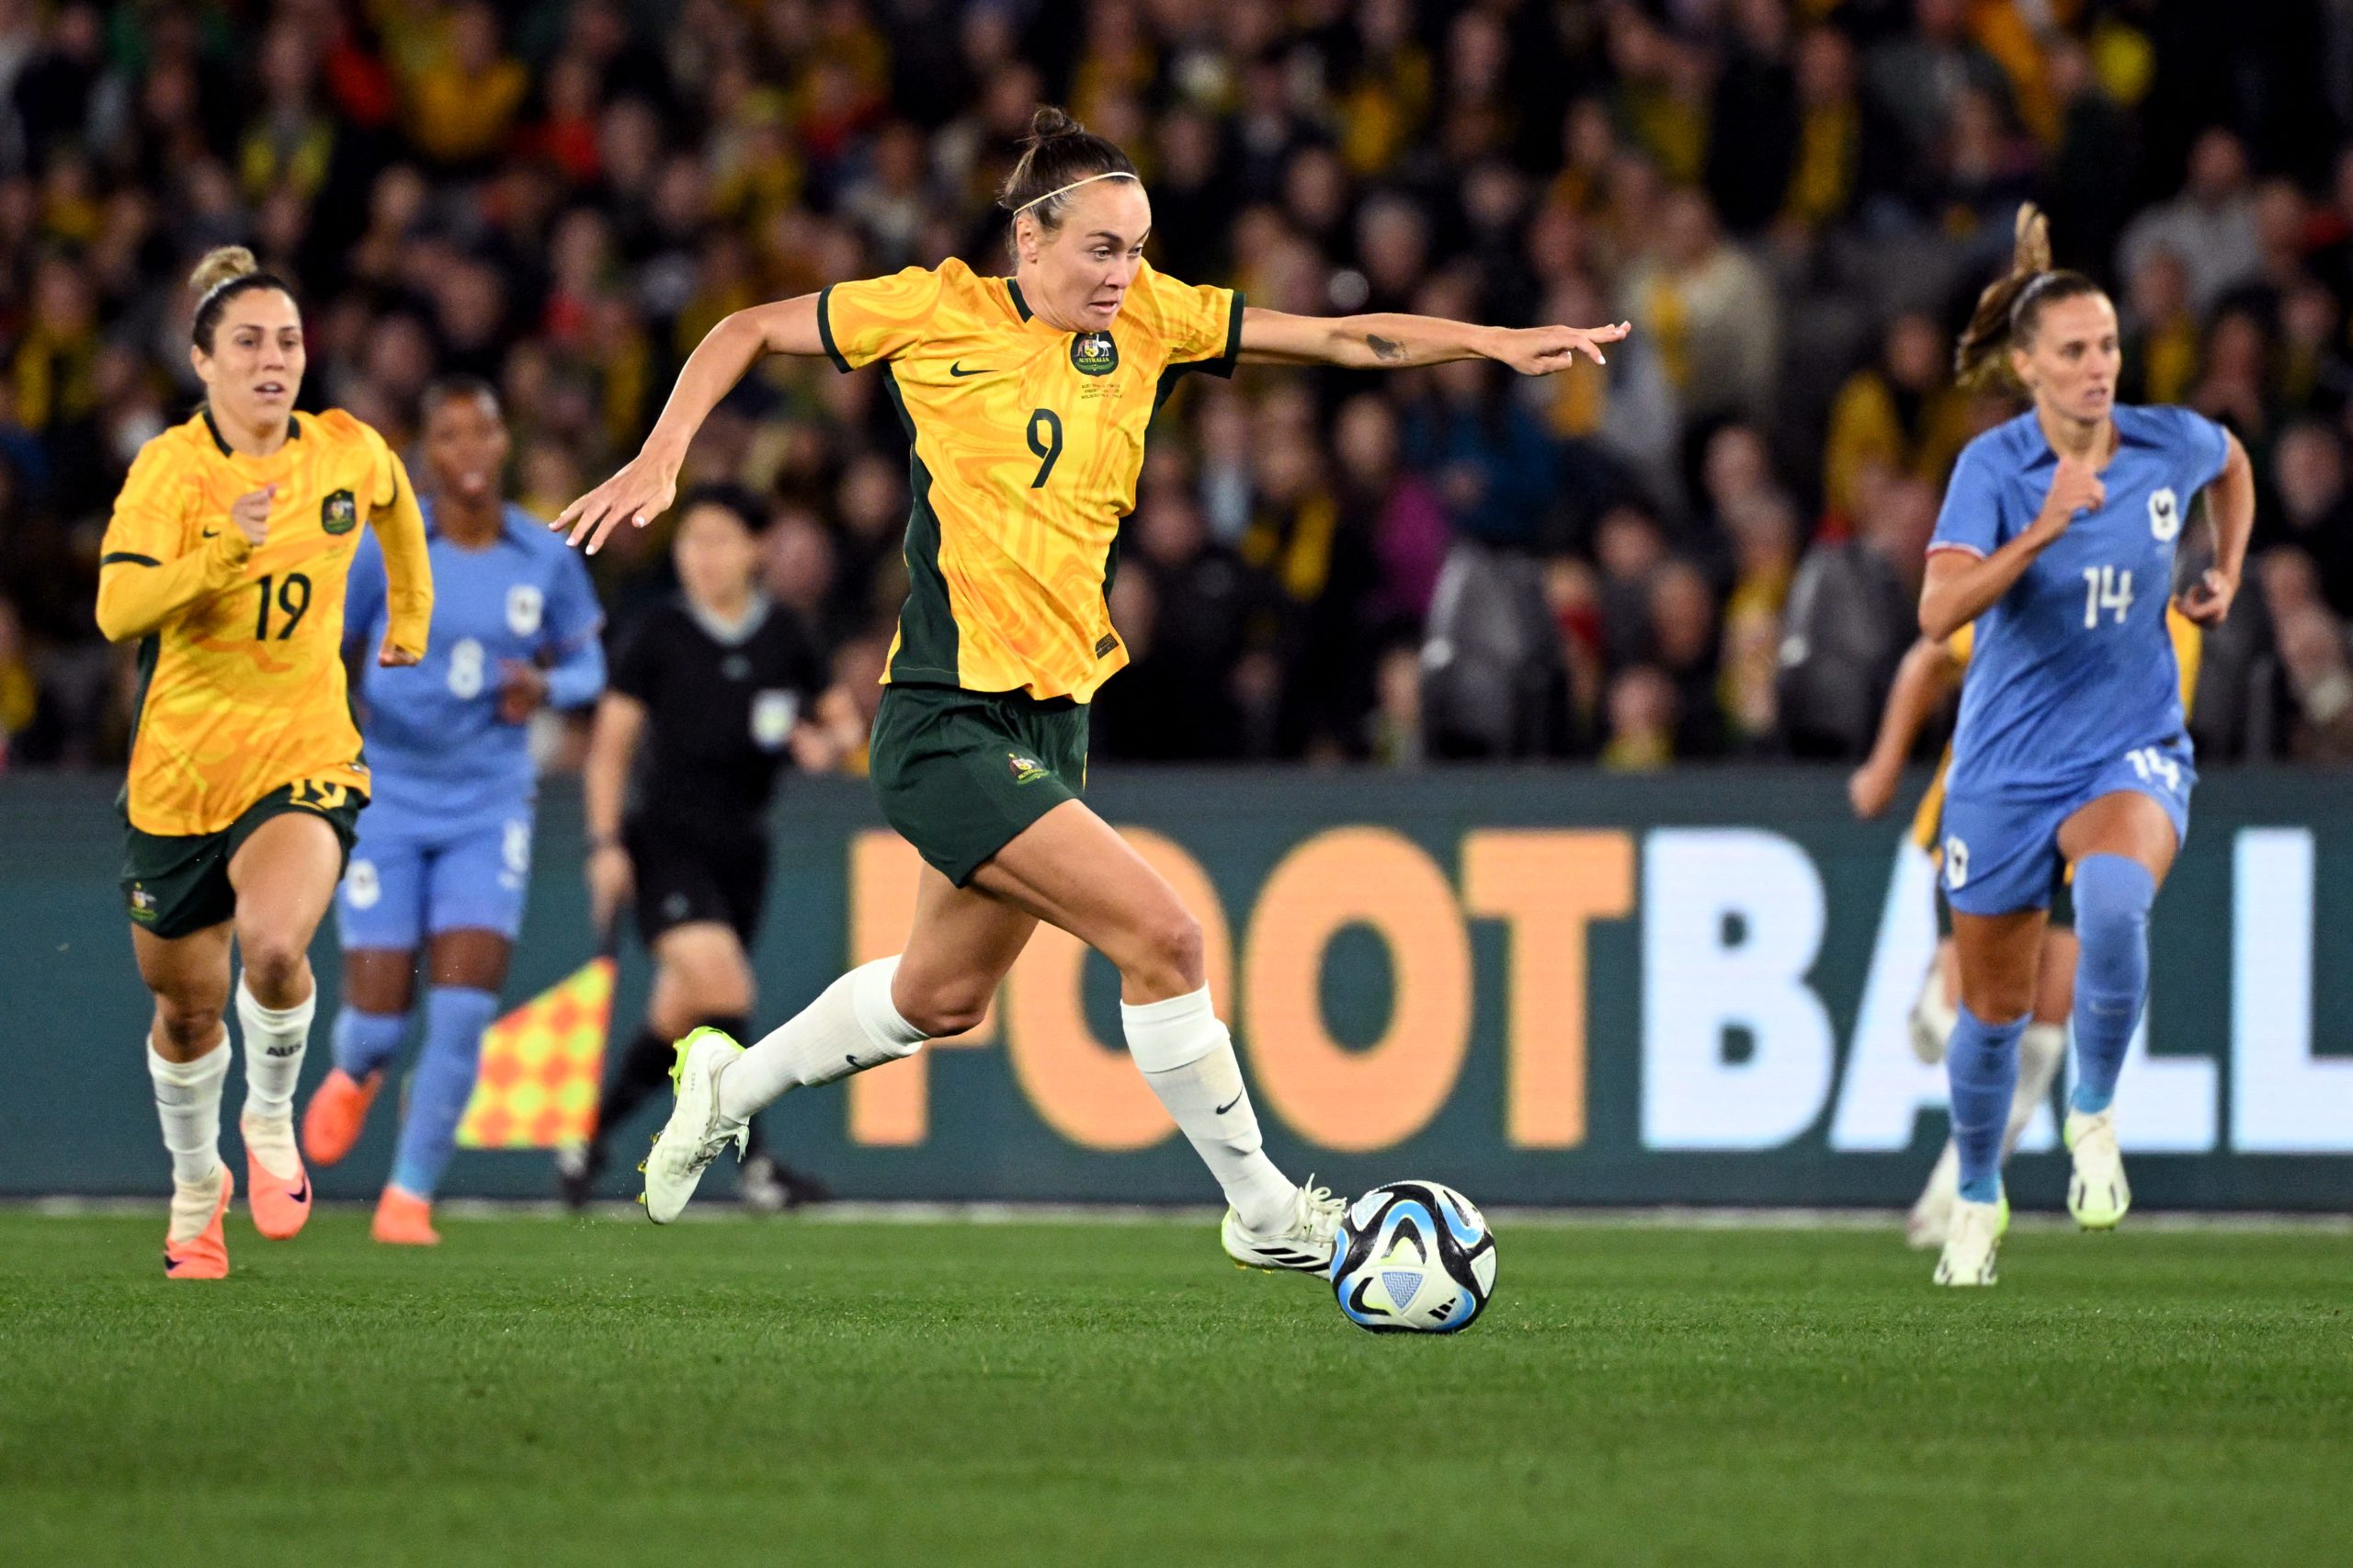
(550, 1392)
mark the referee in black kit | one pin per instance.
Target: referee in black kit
(708, 698)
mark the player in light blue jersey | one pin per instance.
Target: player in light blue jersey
(2058, 539)
(445, 856)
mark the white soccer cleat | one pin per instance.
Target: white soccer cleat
(2097, 1194)
(1305, 1242)
(1976, 1238)
(1931, 1020)
(696, 1131)
(1930, 1222)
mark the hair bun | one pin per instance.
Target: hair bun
(1050, 122)
(225, 264)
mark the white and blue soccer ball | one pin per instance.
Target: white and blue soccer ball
(1413, 1258)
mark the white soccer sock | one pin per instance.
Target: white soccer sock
(2041, 1051)
(1188, 1058)
(187, 1102)
(275, 1039)
(850, 1027)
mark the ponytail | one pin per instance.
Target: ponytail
(2008, 309)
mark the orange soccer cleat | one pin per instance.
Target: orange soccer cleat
(338, 1109)
(280, 1205)
(204, 1255)
(404, 1219)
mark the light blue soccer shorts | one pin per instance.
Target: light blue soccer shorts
(2001, 849)
(405, 885)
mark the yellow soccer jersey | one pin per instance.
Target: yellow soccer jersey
(242, 679)
(1027, 442)
(2188, 648)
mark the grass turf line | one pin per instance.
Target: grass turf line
(605, 1393)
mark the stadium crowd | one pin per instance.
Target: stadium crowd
(1710, 549)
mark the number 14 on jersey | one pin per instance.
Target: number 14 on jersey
(2106, 588)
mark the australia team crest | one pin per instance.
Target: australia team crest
(339, 513)
(1093, 354)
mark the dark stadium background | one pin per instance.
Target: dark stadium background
(1793, 202)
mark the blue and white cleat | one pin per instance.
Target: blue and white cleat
(1305, 1244)
(2097, 1194)
(696, 1131)
(1973, 1242)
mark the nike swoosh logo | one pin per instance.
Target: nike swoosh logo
(211, 533)
(958, 369)
(1229, 1104)
(304, 1195)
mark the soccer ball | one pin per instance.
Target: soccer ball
(1413, 1258)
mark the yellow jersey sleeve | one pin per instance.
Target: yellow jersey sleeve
(1197, 322)
(151, 517)
(146, 570)
(876, 318)
(399, 523)
(1962, 644)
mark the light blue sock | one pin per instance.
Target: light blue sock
(455, 1017)
(365, 1041)
(1981, 1067)
(2112, 898)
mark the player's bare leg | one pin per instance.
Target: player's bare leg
(2122, 846)
(188, 1057)
(285, 876)
(1071, 869)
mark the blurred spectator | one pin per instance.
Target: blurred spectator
(19, 688)
(1852, 612)
(462, 91)
(1707, 311)
(1642, 719)
(1902, 414)
(1786, 199)
(2160, 344)
(2314, 509)
(2209, 227)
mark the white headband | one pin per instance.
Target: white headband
(1115, 174)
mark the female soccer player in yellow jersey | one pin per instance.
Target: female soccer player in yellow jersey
(1026, 400)
(225, 559)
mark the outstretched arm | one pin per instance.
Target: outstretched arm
(1389, 341)
(647, 484)
(1925, 679)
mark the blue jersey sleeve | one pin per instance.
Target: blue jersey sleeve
(1971, 517)
(364, 594)
(2205, 447)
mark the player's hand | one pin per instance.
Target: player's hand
(522, 688)
(393, 656)
(1870, 787)
(2076, 487)
(640, 492)
(611, 880)
(1541, 350)
(250, 511)
(2208, 600)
